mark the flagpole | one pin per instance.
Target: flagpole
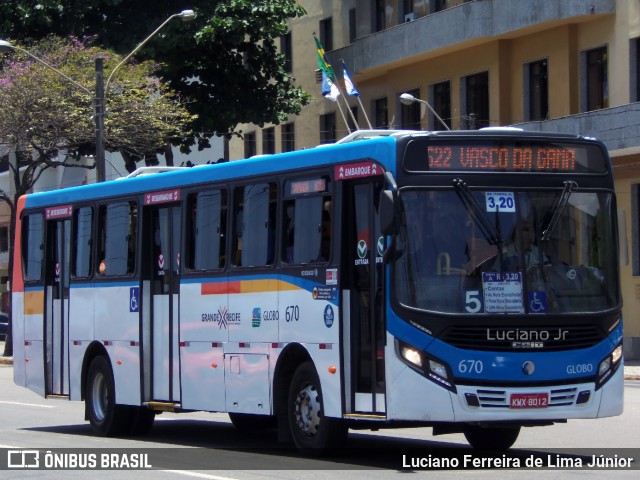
(366, 117)
(342, 113)
(326, 68)
(355, 122)
(352, 91)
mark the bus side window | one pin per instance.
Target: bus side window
(32, 247)
(254, 229)
(206, 230)
(307, 230)
(82, 241)
(117, 233)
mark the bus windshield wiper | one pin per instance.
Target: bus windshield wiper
(491, 233)
(569, 187)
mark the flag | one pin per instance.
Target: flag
(329, 89)
(322, 61)
(348, 83)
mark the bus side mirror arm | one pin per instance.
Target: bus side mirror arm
(389, 206)
(389, 213)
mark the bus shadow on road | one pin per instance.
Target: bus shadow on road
(202, 444)
(206, 445)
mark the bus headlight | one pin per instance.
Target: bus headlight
(434, 369)
(608, 366)
(411, 355)
(438, 369)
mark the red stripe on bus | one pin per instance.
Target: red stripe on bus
(219, 288)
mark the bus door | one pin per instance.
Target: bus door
(161, 245)
(362, 289)
(58, 241)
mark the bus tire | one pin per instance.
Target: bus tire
(247, 422)
(491, 438)
(107, 419)
(312, 432)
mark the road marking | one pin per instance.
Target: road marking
(199, 475)
(12, 447)
(27, 404)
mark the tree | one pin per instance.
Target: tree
(225, 61)
(48, 121)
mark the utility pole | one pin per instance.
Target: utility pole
(99, 115)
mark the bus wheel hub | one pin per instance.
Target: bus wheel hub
(307, 410)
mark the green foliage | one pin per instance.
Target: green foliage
(43, 113)
(224, 63)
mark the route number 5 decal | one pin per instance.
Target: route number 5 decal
(472, 302)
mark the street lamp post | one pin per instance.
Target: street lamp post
(408, 99)
(102, 89)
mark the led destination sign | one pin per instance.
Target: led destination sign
(503, 156)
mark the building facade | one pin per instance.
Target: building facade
(569, 66)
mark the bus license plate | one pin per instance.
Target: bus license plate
(529, 400)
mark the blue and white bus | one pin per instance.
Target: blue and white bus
(462, 280)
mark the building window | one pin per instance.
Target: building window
(440, 94)
(437, 5)
(635, 230)
(286, 51)
(381, 112)
(536, 91)
(410, 114)
(326, 34)
(353, 25)
(379, 18)
(354, 114)
(269, 140)
(288, 133)
(634, 69)
(475, 100)
(406, 14)
(4, 239)
(250, 148)
(328, 128)
(597, 87)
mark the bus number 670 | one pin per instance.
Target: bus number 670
(292, 313)
(470, 366)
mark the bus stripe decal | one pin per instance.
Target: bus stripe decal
(33, 302)
(245, 286)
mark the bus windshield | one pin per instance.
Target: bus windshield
(475, 251)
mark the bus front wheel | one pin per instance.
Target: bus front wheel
(491, 438)
(312, 432)
(106, 418)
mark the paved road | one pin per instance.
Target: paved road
(203, 445)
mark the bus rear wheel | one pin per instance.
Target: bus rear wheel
(106, 418)
(312, 432)
(491, 438)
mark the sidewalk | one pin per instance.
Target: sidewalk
(631, 367)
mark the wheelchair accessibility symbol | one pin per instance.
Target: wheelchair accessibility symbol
(134, 299)
(537, 302)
